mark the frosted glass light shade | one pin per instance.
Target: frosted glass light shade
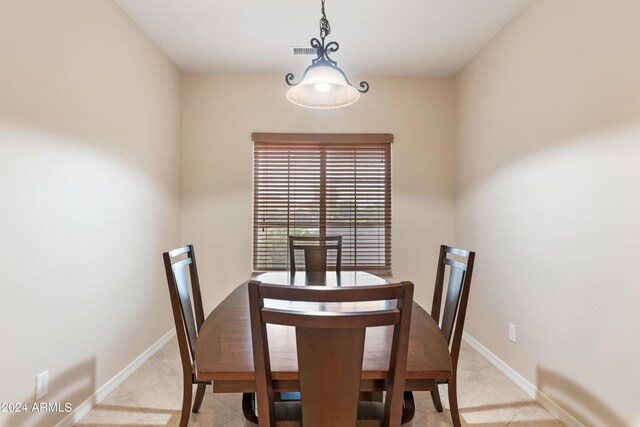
(323, 86)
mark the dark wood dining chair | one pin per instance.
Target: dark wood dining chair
(451, 322)
(315, 252)
(330, 349)
(188, 317)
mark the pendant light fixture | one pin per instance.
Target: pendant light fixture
(323, 84)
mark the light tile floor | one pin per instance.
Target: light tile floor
(152, 396)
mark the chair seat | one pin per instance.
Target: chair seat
(289, 414)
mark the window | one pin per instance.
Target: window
(323, 185)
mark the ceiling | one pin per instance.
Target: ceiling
(377, 38)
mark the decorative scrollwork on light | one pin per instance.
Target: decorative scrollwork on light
(331, 48)
(318, 46)
(289, 79)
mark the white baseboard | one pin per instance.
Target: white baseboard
(548, 404)
(82, 409)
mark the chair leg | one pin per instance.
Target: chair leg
(199, 396)
(435, 397)
(187, 392)
(453, 403)
(249, 409)
(408, 410)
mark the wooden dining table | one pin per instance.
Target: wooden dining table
(224, 351)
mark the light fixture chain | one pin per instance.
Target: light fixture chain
(325, 28)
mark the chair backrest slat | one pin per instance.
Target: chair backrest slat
(186, 308)
(331, 321)
(455, 264)
(178, 251)
(452, 299)
(455, 251)
(324, 404)
(330, 348)
(186, 300)
(329, 294)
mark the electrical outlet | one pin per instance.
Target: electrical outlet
(42, 384)
(512, 332)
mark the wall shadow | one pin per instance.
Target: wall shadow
(561, 385)
(73, 386)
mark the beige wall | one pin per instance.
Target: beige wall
(548, 193)
(220, 112)
(90, 128)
